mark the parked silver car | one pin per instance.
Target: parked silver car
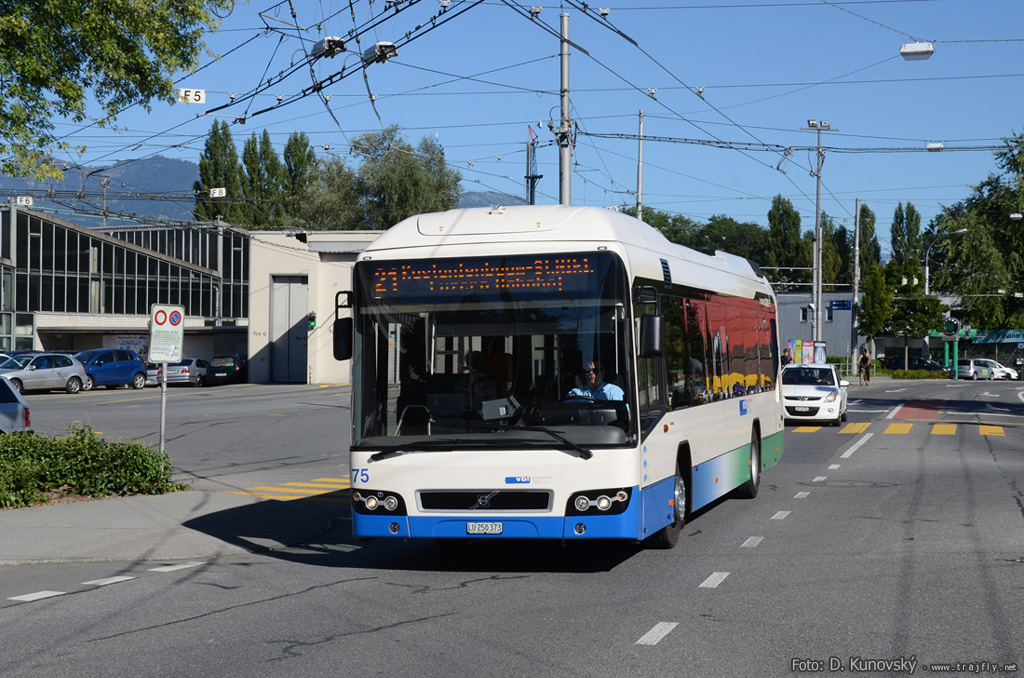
(187, 371)
(14, 411)
(974, 368)
(44, 372)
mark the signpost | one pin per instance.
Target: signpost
(166, 334)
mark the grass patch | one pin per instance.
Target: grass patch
(33, 468)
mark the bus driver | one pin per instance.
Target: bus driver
(596, 387)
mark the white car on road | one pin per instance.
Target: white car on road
(814, 392)
(1000, 371)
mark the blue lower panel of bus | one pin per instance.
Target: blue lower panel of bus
(626, 525)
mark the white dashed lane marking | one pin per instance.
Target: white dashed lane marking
(107, 581)
(781, 515)
(38, 595)
(173, 568)
(751, 542)
(714, 580)
(660, 630)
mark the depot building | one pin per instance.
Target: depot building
(266, 295)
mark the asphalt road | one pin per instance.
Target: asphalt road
(885, 546)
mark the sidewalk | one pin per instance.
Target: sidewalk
(204, 522)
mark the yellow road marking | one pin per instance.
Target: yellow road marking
(806, 429)
(898, 428)
(284, 490)
(326, 486)
(991, 430)
(944, 430)
(856, 428)
(264, 495)
(330, 480)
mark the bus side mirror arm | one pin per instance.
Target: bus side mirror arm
(342, 327)
(652, 333)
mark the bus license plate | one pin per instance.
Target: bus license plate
(483, 528)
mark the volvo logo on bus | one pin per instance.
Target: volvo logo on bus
(483, 500)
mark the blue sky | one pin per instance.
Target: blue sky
(479, 76)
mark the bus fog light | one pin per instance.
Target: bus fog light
(393, 528)
(371, 502)
(580, 528)
(604, 503)
(582, 503)
(622, 495)
(391, 503)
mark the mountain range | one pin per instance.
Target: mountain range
(147, 190)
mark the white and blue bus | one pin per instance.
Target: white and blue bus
(553, 372)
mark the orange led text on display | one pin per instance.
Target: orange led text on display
(542, 274)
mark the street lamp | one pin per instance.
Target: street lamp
(816, 126)
(929, 249)
(916, 51)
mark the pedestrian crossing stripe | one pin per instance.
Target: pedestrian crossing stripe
(903, 428)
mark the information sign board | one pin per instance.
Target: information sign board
(166, 333)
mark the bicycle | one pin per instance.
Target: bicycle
(864, 376)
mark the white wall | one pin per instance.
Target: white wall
(276, 253)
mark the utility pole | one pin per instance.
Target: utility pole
(813, 125)
(563, 133)
(854, 305)
(531, 171)
(640, 172)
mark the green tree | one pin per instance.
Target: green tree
(219, 168)
(785, 248)
(975, 270)
(870, 250)
(876, 308)
(330, 200)
(299, 165)
(675, 227)
(262, 183)
(906, 235)
(913, 313)
(396, 182)
(56, 55)
(747, 240)
(835, 255)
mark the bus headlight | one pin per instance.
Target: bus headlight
(367, 502)
(613, 501)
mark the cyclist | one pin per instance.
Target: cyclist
(864, 366)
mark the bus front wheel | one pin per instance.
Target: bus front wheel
(749, 489)
(668, 536)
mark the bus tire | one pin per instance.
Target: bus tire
(749, 489)
(668, 536)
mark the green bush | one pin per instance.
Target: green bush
(30, 465)
(919, 374)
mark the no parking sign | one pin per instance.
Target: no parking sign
(166, 333)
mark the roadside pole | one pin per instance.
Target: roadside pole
(166, 334)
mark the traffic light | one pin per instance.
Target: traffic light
(311, 318)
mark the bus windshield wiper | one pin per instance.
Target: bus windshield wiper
(584, 452)
(418, 445)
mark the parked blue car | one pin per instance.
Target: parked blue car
(113, 368)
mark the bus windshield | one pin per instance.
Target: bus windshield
(493, 353)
